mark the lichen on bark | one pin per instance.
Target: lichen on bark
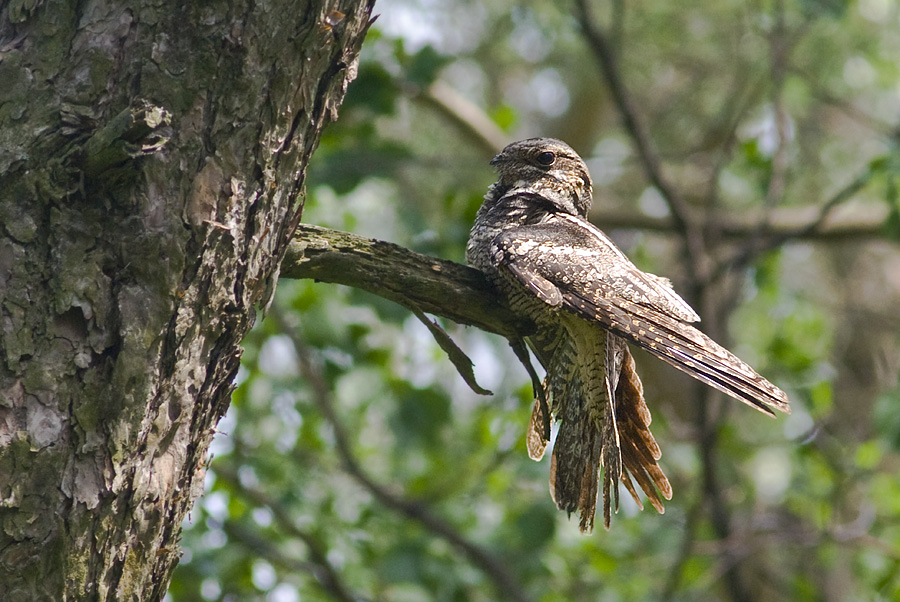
(151, 164)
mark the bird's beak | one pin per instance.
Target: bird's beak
(498, 158)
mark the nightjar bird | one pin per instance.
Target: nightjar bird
(532, 239)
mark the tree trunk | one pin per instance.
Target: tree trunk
(151, 159)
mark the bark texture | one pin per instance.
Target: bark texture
(415, 281)
(151, 161)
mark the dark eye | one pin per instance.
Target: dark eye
(546, 158)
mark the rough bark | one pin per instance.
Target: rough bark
(151, 161)
(415, 281)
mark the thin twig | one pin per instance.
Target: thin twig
(719, 515)
(750, 251)
(457, 356)
(468, 117)
(505, 583)
(325, 573)
(649, 157)
(779, 51)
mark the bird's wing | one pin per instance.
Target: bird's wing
(567, 262)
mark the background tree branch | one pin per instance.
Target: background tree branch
(319, 565)
(640, 137)
(506, 584)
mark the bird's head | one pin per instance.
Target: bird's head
(548, 166)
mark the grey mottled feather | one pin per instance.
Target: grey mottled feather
(532, 239)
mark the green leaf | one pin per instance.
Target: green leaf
(373, 89)
(420, 415)
(891, 226)
(504, 116)
(423, 66)
(833, 9)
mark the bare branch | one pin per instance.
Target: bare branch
(872, 122)
(805, 230)
(717, 506)
(460, 293)
(788, 223)
(265, 548)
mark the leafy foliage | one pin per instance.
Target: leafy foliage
(349, 423)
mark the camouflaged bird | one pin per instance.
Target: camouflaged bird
(532, 239)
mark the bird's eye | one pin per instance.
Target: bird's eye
(546, 158)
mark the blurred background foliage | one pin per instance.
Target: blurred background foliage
(354, 463)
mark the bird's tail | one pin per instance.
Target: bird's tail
(640, 452)
(691, 351)
(615, 435)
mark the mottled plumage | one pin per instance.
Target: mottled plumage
(532, 239)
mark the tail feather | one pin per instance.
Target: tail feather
(687, 349)
(621, 443)
(640, 452)
(539, 427)
(574, 466)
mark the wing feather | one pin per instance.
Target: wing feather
(567, 258)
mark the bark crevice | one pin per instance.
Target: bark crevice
(143, 215)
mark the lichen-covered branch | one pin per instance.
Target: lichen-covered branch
(413, 280)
